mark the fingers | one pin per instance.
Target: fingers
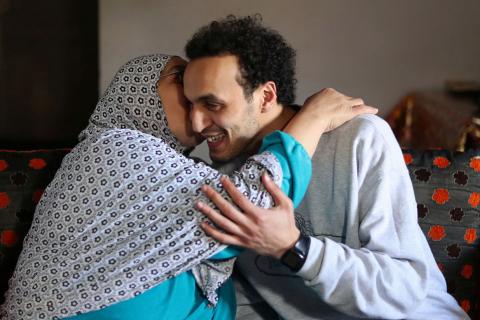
(221, 236)
(358, 107)
(227, 209)
(238, 198)
(277, 194)
(362, 109)
(220, 220)
(357, 101)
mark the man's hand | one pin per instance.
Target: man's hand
(268, 232)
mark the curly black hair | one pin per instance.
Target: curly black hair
(263, 54)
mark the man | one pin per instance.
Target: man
(356, 249)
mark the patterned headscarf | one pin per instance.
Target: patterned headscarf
(131, 102)
(119, 217)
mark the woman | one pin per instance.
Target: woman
(116, 230)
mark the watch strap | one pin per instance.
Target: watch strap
(295, 257)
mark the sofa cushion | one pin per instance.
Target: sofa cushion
(447, 190)
(23, 177)
(446, 184)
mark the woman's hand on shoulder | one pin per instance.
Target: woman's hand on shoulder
(332, 108)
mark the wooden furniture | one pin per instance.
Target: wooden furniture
(435, 119)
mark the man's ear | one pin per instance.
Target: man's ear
(269, 96)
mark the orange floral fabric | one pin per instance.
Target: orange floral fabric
(4, 200)
(470, 235)
(37, 163)
(37, 194)
(441, 162)
(447, 191)
(440, 196)
(8, 238)
(23, 177)
(467, 271)
(465, 304)
(436, 233)
(407, 157)
(3, 165)
(441, 266)
(474, 199)
(475, 164)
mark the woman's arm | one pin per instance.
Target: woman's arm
(323, 112)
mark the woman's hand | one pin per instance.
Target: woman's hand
(323, 112)
(332, 108)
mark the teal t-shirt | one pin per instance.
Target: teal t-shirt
(180, 297)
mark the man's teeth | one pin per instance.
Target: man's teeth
(215, 138)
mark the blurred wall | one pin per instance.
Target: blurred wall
(375, 49)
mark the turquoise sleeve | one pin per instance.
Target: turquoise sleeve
(176, 298)
(297, 171)
(295, 161)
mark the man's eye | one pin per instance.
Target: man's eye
(212, 106)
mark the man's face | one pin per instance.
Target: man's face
(220, 112)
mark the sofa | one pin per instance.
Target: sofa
(446, 184)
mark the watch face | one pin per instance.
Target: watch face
(296, 256)
(292, 260)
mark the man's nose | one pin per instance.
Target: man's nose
(199, 118)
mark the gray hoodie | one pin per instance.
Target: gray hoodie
(368, 257)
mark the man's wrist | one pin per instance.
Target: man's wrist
(311, 268)
(294, 238)
(295, 257)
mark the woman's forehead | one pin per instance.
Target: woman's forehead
(173, 64)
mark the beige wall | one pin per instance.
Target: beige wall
(375, 49)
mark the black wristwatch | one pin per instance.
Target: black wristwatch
(295, 257)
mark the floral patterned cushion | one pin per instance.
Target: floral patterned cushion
(23, 177)
(447, 190)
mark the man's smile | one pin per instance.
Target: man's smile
(214, 141)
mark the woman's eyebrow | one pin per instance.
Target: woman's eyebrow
(178, 68)
(173, 70)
